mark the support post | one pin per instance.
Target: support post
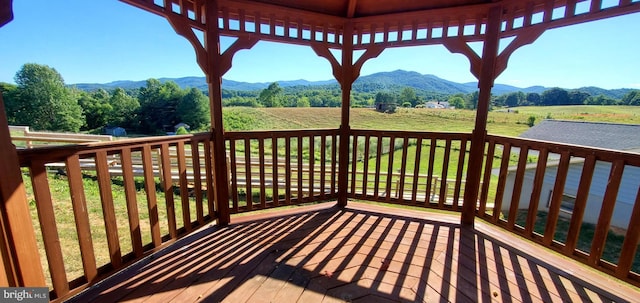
(485, 83)
(346, 82)
(20, 256)
(214, 80)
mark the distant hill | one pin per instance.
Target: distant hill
(394, 80)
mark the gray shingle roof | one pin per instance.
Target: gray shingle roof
(594, 134)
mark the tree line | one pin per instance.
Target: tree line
(41, 100)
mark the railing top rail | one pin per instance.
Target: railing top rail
(55, 153)
(610, 155)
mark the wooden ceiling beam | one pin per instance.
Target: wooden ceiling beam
(351, 8)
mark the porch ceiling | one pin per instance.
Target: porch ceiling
(367, 8)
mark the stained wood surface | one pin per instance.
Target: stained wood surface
(363, 253)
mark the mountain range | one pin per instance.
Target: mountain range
(379, 81)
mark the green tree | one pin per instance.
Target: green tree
(456, 101)
(303, 102)
(44, 102)
(631, 98)
(123, 107)
(554, 96)
(472, 100)
(11, 105)
(193, 109)
(271, 96)
(533, 98)
(158, 103)
(408, 94)
(96, 108)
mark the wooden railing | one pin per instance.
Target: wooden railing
(540, 190)
(273, 168)
(582, 202)
(415, 168)
(127, 222)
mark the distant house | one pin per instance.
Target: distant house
(436, 104)
(115, 131)
(623, 137)
(181, 124)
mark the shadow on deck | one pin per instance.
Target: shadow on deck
(362, 253)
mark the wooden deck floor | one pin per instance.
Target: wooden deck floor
(362, 253)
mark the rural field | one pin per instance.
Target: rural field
(501, 122)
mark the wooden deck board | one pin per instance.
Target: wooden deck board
(362, 253)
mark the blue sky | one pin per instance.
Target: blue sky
(98, 41)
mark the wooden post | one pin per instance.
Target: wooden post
(21, 260)
(214, 80)
(346, 82)
(485, 83)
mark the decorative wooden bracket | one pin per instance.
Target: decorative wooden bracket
(522, 39)
(202, 54)
(461, 47)
(322, 50)
(184, 30)
(227, 57)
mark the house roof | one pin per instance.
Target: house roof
(594, 134)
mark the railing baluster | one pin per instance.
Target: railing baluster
(334, 161)
(46, 216)
(354, 163)
(300, 168)
(392, 141)
(556, 198)
(167, 183)
(538, 181)
(376, 189)
(208, 162)
(287, 197)
(197, 182)
(365, 165)
(108, 211)
(312, 167)
(323, 168)
(444, 187)
(274, 171)
(184, 191)
(517, 187)
(403, 167)
(416, 169)
(580, 204)
(486, 179)
(432, 154)
(234, 175)
(247, 174)
(606, 212)
(502, 179)
(132, 202)
(150, 189)
(81, 216)
(263, 198)
(630, 243)
(459, 173)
